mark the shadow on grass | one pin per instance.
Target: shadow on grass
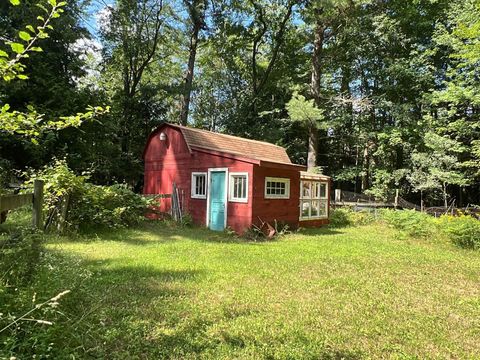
(151, 232)
(325, 230)
(114, 308)
(116, 311)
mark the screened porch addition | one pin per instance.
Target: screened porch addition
(314, 190)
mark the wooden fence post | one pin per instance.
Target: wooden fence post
(37, 215)
(396, 198)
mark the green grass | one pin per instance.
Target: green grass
(165, 292)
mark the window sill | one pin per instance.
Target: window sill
(198, 197)
(314, 218)
(242, 201)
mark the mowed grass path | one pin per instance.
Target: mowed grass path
(364, 292)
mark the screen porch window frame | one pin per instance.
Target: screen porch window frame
(234, 191)
(315, 196)
(195, 194)
(277, 186)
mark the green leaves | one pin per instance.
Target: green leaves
(25, 36)
(15, 2)
(17, 47)
(302, 110)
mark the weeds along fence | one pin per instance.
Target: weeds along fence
(11, 202)
(357, 201)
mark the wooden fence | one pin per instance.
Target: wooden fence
(10, 202)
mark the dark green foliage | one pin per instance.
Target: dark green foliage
(110, 206)
(340, 217)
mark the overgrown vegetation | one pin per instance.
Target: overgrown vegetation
(88, 204)
(463, 230)
(161, 291)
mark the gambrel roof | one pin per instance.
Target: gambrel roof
(252, 149)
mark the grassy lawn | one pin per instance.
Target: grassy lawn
(365, 292)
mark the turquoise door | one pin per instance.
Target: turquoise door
(217, 200)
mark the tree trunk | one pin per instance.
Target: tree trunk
(421, 201)
(317, 58)
(366, 167)
(312, 155)
(197, 20)
(445, 199)
(312, 148)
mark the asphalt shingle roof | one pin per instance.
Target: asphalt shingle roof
(252, 149)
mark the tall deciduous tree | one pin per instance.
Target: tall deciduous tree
(196, 11)
(132, 37)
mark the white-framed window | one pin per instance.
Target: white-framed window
(313, 199)
(199, 185)
(238, 187)
(277, 188)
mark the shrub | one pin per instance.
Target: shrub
(463, 230)
(340, 217)
(89, 204)
(346, 217)
(412, 222)
(110, 206)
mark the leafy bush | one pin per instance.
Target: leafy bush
(346, 217)
(340, 217)
(463, 230)
(89, 204)
(412, 222)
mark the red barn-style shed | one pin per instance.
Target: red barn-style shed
(228, 181)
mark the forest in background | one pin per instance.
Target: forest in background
(378, 94)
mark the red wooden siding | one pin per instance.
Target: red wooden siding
(171, 161)
(282, 210)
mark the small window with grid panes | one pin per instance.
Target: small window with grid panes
(277, 188)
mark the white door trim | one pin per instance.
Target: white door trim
(210, 170)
